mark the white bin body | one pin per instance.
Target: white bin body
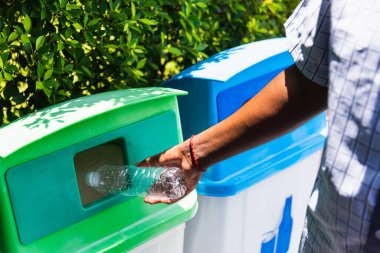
(169, 242)
(240, 223)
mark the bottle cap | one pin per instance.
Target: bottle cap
(92, 179)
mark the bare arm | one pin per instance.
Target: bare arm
(289, 100)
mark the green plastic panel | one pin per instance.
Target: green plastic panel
(44, 192)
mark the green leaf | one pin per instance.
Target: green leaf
(113, 46)
(187, 9)
(201, 5)
(94, 22)
(183, 22)
(148, 21)
(85, 19)
(89, 38)
(136, 28)
(51, 83)
(125, 27)
(24, 39)
(201, 47)
(141, 63)
(27, 23)
(240, 7)
(18, 29)
(162, 38)
(47, 91)
(137, 72)
(77, 26)
(12, 36)
(133, 10)
(7, 76)
(10, 68)
(138, 51)
(4, 57)
(60, 46)
(43, 13)
(72, 7)
(40, 70)
(175, 51)
(1, 63)
(74, 43)
(68, 32)
(40, 42)
(86, 70)
(188, 36)
(39, 85)
(62, 3)
(48, 74)
(62, 37)
(228, 14)
(61, 61)
(68, 67)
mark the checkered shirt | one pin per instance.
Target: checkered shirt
(336, 43)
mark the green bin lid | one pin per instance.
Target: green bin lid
(32, 129)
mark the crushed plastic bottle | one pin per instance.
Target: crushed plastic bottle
(138, 181)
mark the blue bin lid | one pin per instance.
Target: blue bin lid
(218, 67)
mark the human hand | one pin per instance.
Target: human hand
(177, 156)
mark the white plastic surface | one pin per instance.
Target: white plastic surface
(239, 223)
(169, 242)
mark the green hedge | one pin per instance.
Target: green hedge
(54, 50)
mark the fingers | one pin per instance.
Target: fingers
(158, 199)
(173, 157)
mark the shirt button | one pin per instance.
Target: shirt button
(377, 234)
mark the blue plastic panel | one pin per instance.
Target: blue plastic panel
(230, 100)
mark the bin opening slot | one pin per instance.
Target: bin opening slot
(109, 153)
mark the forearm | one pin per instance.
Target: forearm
(285, 103)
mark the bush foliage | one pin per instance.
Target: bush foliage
(54, 50)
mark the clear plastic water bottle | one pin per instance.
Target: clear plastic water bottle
(138, 181)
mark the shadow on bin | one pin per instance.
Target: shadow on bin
(243, 196)
(46, 205)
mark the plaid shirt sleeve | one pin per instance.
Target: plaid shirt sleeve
(308, 31)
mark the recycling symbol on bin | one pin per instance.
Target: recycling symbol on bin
(279, 240)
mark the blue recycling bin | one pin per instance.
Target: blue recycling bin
(256, 199)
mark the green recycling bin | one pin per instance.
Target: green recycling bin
(45, 204)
